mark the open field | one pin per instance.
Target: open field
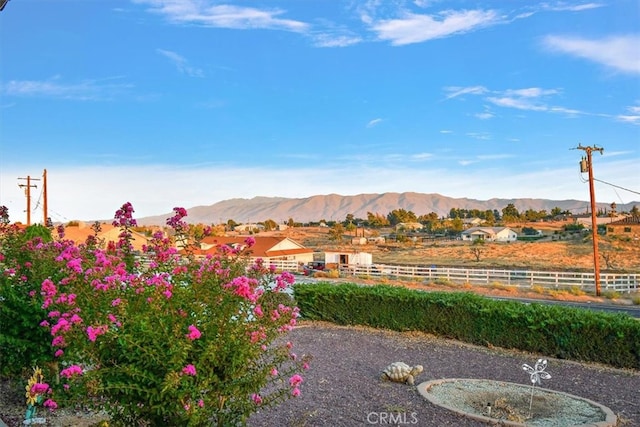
(568, 254)
(571, 254)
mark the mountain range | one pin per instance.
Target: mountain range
(334, 207)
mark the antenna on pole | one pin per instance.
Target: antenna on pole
(586, 165)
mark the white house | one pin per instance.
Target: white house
(490, 234)
(268, 248)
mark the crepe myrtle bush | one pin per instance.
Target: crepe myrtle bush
(24, 255)
(180, 339)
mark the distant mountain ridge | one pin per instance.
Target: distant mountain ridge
(336, 207)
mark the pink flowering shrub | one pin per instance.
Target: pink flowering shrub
(178, 340)
(26, 259)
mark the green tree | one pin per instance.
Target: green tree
(489, 218)
(270, 225)
(397, 216)
(37, 230)
(510, 213)
(376, 220)
(337, 232)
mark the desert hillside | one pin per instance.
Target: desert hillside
(335, 207)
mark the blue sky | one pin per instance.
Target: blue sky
(169, 103)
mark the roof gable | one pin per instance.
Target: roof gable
(264, 246)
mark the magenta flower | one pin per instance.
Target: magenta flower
(258, 310)
(51, 404)
(295, 392)
(194, 333)
(295, 380)
(71, 371)
(39, 388)
(94, 333)
(189, 370)
(58, 341)
(257, 399)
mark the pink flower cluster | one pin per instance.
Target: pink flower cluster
(189, 370)
(94, 333)
(71, 371)
(245, 287)
(294, 382)
(194, 333)
(39, 388)
(124, 216)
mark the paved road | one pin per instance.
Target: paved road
(631, 310)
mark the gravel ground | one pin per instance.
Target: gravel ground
(343, 385)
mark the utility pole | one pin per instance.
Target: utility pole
(45, 205)
(586, 165)
(28, 186)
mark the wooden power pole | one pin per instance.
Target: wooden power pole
(45, 206)
(587, 166)
(27, 192)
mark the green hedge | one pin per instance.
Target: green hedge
(555, 331)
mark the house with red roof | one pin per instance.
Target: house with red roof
(268, 248)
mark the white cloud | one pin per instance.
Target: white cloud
(335, 40)
(518, 103)
(532, 92)
(181, 63)
(223, 15)
(374, 122)
(421, 156)
(485, 115)
(563, 6)
(633, 117)
(484, 136)
(617, 52)
(455, 91)
(85, 90)
(416, 28)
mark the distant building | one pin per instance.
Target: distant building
(625, 227)
(267, 248)
(247, 228)
(601, 220)
(490, 234)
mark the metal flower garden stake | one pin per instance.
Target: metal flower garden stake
(537, 373)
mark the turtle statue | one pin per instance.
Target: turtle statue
(401, 372)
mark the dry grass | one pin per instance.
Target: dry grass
(570, 254)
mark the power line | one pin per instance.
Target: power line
(617, 186)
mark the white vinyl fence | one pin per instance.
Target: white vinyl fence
(619, 282)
